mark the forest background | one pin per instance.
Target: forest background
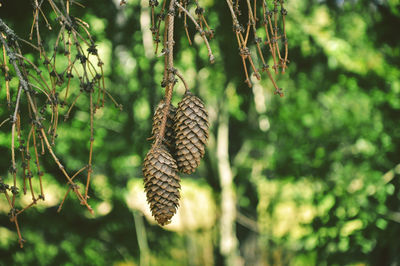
(313, 176)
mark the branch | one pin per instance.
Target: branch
(24, 85)
(183, 80)
(168, 68)
(202, 32)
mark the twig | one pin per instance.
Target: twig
(16, 110)
(6, 76)
(183, 80)
(70, 187)
(202, 33)
(5, 121)
(186, 26)
(91, 147)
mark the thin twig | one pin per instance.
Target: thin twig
(5, 121)
(183, 80)
(202, 32)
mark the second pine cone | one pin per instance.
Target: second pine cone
(191, 132)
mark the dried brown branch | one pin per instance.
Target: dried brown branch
(41, 91)
(6, 75)
(270, 23)
(4, 121)
(186, 26)
(170, 82)
(200, 30)
(183, 79)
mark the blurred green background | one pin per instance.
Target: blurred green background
(308, 179)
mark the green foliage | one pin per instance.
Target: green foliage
(317, 170)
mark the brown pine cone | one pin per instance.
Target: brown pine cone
(161, 183)
(191, 133)
(169, 135)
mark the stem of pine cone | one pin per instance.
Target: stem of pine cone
(169, 67)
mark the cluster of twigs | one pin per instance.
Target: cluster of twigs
(200, 22)
(167, 17)
(269, 16)
(274, 37)
(43, 92)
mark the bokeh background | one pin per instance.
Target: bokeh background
(308, 179)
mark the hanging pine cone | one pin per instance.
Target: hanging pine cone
(191, 132)
(169, 135)
(161, 183)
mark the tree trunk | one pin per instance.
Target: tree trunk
(228, 240)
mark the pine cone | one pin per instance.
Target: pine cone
(191, 132)
(161, 183)
(169, 135)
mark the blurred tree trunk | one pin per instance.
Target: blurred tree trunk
(228, 242)
(141, 238)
